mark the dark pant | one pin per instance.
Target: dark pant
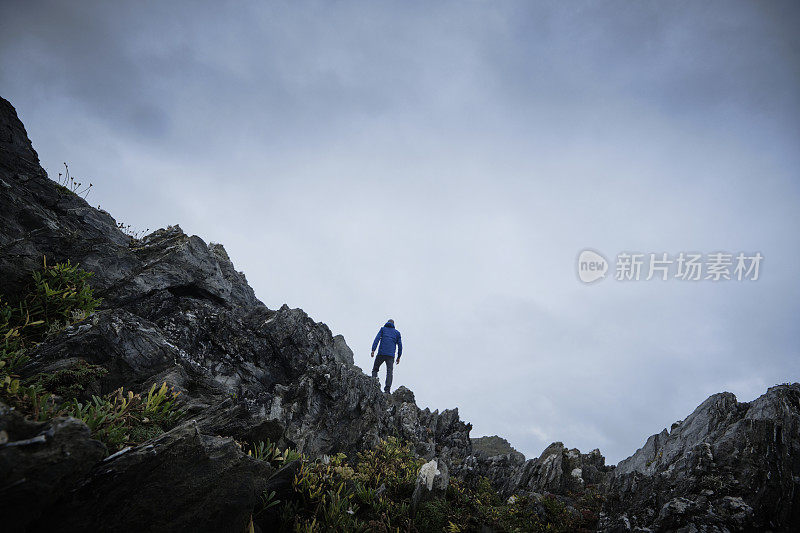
(379, 360)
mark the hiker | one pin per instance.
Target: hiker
(389, 337)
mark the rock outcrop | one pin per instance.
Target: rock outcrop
(560, 470)
(729, 466)
(557, 470)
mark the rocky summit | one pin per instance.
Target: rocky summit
(174, 310)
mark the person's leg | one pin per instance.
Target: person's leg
(376, 365)
(389, 371)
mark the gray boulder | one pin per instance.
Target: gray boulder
(341, 351)
(560, 470)
(432, 481)
(403, 395)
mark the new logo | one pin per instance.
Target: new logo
(591, 266)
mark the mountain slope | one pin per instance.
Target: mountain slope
(175, 310)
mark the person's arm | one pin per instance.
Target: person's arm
(399, 347)
(375, 342)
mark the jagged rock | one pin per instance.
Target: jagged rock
(560, 470)
(180, 481)
(557, 470)
(432, 481)
(499, 469)
(403, 395)
(129, 347)
(39, 461)
(16, 151)
(185, 266)
(341, 351)
(234, 418)
(729, 465)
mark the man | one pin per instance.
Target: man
(389, 337)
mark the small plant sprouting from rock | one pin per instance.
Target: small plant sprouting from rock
(58, 296)
(71, 185)
(124, 418)
(269, 452)
(132, 232)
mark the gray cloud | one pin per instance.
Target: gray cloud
(443, 164)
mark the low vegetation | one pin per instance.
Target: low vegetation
(124, 418)
(373, 492)
(59, 296)
(71, 381)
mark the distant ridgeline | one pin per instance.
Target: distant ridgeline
(160, 393)
(494, 445)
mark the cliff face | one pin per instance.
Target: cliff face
(728, 464)
(175, 309)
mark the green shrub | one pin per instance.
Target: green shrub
(55, 297)
(370, 494)
(33, 400)
(12, 354)
(263, 451)
(433, 516)
(123, 419)
(58, 296)
(269, 452)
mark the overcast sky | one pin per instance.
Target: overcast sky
(443, 164)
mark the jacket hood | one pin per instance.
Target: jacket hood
(388, 325)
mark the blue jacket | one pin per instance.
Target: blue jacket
(389, 338)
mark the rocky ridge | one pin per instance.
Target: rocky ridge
(175, 309)
(728, 466)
